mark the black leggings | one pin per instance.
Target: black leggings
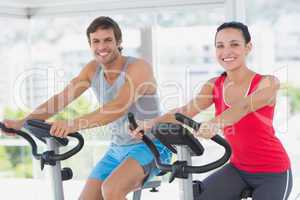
(228, 183)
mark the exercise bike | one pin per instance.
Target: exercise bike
(41, 131)
(181, 142)
(51, 157)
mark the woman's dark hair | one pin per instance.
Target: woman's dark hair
(224, 74)
(104, 22)
(236, 25)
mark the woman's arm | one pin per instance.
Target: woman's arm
(264, 95)
(202, 101)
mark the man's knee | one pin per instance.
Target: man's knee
(91, 190)
(111, 190)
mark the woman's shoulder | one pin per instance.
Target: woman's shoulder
(212, 80)
(268, 80)
(217, 79)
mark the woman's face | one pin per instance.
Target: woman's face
(231, 49)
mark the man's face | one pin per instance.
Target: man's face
(104, 46)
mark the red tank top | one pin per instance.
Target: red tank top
(255, 148)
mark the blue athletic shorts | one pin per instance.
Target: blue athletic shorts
(116, 154)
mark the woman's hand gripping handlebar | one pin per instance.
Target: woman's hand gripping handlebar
(180, 169)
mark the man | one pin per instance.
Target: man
(121, 84)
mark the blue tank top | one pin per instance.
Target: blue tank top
(146, 107)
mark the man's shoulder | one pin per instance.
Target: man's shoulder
(90, 69)
(136, 60)
(136, 63)
(140, 69)
(92, 65)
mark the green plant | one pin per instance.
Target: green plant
(5, 165)
(293, 94)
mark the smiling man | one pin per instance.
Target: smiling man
(121, 84)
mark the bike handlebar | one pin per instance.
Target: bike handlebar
(47, 157)
(217, 139)
(180, 168)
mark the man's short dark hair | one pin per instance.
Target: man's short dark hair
(104, 22)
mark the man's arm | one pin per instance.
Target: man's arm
(139, 81)
(59, 101)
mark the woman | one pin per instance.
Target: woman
(244, 103)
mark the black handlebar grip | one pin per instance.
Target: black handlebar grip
(187, 121)
(5, 129)
(132, 123)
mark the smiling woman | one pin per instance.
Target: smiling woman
(244, 104)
